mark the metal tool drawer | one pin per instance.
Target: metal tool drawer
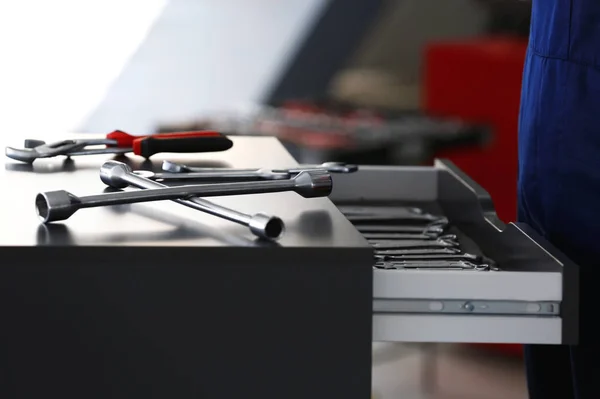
(532, 298)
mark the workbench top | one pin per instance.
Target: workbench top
(312, 222)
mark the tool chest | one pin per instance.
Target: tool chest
(530, 296)
(156, 299)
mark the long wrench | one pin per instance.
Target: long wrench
(436, 265)
(406, 236)
(332, 167)
(430, 257)
(417, 251)
(400, 229)
(413, 244)
(378, 210)
(425, 218)
(260, 224)
(250, 175)
(60, 205)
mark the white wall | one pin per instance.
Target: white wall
(202, 55)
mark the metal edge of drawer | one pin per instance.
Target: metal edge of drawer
(516, 246)
(467, 329)
(532, 269)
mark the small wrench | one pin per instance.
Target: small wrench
(418, 251)
(430, 257)
(425, 218)
(433, 265)
(400, 236)
(414, 244)
(378, 210)
(404, 229)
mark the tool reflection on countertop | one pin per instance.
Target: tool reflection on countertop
(186, 173)
(119, 142)
(60, 205)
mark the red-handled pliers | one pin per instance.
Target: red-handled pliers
(119, 142)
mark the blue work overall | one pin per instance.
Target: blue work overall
(559, 177)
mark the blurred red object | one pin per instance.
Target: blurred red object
(479, 81)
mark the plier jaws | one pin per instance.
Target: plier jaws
(35, 149)
(119, 142)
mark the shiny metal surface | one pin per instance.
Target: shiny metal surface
(217, 176)
(260, 224)
(58, 205)
(332, 167)
(310, 223)
(34, 149)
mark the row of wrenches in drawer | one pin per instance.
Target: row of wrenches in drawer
(409, 238)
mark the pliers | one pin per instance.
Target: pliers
(119, 142)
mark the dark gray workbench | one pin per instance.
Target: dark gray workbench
(156, 300)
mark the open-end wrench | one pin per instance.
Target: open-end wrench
(60, 205)
(431, 257)
(400, 218)
(378, 210)
(331, 167)
(413, 244)
(400, 229)
(260, 224)
(196, 177)
(433, 265)
(406, 236)
(418, 251)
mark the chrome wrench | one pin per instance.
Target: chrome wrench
(260, 224)
(401, 229)
(60, 205)
(247, 175)
(418, 251)
(414, 244)
(332, 167)
(401, 236)
(432, 265)
(430, 257)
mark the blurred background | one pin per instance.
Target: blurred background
(366, 81)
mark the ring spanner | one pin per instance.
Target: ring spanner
(60, 205)
(260, 224)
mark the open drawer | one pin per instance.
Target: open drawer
(531, 298)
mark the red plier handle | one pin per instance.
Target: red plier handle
(183, 142)
(125, 140)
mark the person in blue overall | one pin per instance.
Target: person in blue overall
(559, 177)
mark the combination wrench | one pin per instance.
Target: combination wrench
(418, 251)
(260, 224)
(431, 257)
(413, 244)
(433, 265)
(331, 167)
(60, 205)
(408, 236)
(234, 175)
